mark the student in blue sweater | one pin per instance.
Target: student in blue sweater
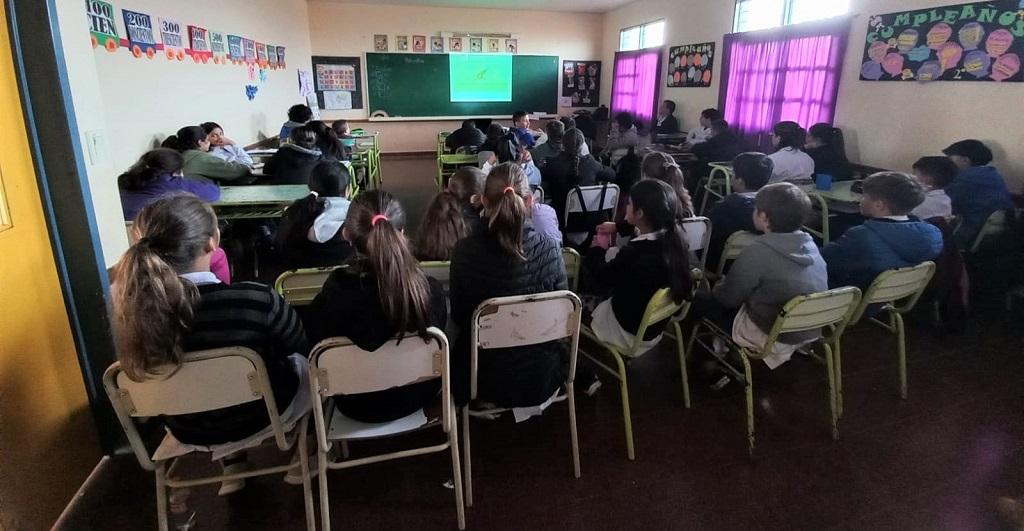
(978, 190)
(888, 239)
(751, 171)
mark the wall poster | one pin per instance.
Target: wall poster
(141, 39)
(581, 81)
(337, 82)
(690, 65)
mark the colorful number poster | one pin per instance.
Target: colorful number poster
(419, 43)
(199, 41)
(335, 77)
(261, 55)
(272, 56)
(249, 47)
(101, 25)
(141, 39)
(337, 82)
(690, 65)
(174, 43)
(218, 47)
(235, 51)
(980, 41)
(280, 56)
(581, 81)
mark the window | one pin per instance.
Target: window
(644, 36)
(635, 83)
(752, 15)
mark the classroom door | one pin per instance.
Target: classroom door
(48, 439)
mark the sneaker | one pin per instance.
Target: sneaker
(592, 389)
(232, 486)
(1012, 511)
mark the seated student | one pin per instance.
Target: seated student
(827, 148)
(721, 145)
(157, 174)
(441, 227)
(295, 160)
(666, 122)
(198, 163)
(791, 163)
(467, 184)
(298, 116)
(888, 238)
(327, 141)
(508, 258)
(621, 138)
(495, 132)
(521, 127)
(571, 168)
(223, 147)
(467, 136)
(703, 131)
(934, 174)
(978, 190)
(166, 301)
(508, 150)
(310, 230)
(780, 264)
(344, 134)
(662, 167)
(735, 212)
(656, 258)
(541, 153)
(381, 293)
(570, 123)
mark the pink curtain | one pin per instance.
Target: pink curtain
(635, 83)
(779, 75)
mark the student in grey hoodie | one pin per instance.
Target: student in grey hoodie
(779, 265)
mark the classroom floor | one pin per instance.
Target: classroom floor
(938, 460)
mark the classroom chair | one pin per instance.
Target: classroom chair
(822, 232)
(661, 307)
(299, 287)
(573, 265)
(448, 164)
(337, 367)
(888, 289)
(538, 194)
(207, 380)
(519, 321)
(586, 207)
(439, 270)
(829, 310)
(997, 224)
(441, 138)
(698, 236)
(735, 245)
(718, 183)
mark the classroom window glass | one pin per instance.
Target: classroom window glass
(635, 83)
(629, 39)
(753, 15)
(647, 35)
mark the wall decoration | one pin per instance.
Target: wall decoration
(139, 28)
(272, 57)
(691, 65)
(979, 41)
(249, 48)
(337, 82)
(581, 82)
(455, 44)
(199, 43)
(305, 83)
(437, 45)
(102, 27)
(250, 92)
(512, 45)
(218, 47)
(174, 43)
(493, 45)
(280, 57)
(235, 51)
(261, 55)
(380, 43)
(401, 44)
(476, 44)
(419, 43)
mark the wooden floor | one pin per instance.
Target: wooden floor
(935, 461)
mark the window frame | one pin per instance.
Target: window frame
(640, 41)
(786, 16)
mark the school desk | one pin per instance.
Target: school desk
(257, 201)
(840, 198)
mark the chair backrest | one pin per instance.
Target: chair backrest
(573, 264)
(440, 271)
(524, 320)
(834, 307)
(995, 225)
(595, 198)
(482, 157)
(735, 245)
(300, 286)
(538, 194)
(659, 308)
(894, 285)
(698, 236)
(207, 380)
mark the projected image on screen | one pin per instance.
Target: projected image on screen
(480, 77)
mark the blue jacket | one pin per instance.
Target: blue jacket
(879, 244)
(976, 193)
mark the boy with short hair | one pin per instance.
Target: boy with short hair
(521, 126)
(935, 174)
(666, 122)
(298, 116)
(555, 130)
(978, 190)
(888, 239)
(734, 213)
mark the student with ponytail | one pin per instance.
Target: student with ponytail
(662, 167)
(194, 145)
(167, 302)
(570, 168)
(380, 293)
(156, 174)
(656, 258)
(441, 227)
(310, 231)
(508, 258)
(827, 147)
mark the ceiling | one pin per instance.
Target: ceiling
(580, 6)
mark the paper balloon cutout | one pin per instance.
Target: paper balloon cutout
(871, 70)
(929, 71)
(977, 63)
(999, 42)
(939, 34)
(970, 35)
(877, 51)
(893, 64)
(921, 53)
(907, 40)
(1006, 67)
(691, 72)
(950, 55)
(707, 77)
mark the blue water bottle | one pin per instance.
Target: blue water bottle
(823, 181)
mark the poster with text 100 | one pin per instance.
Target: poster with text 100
(690, 65)
(980, 41)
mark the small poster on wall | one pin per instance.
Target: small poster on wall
(691, 65)
(581, 82)
(249, 47)
(174, 43)
(476, 44)
(512, 45)
(261, 55)
(337, 82)
(419, 43)
(101, 25)
(455, 44)
(437, 45)
(235, 51)
(401, 44)
(141, 39)
(493, 45)
(980, 41)
(335, 77)
(199, 41)
(380, 43)
(339, 100)
(218, 47)
(280, 57)
(272, 57)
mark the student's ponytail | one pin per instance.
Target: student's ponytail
(375, 221)
(663, 211)
(572, 143)
(832, 137)
(149, 167)
(661, 166)
(152, 305)
(507, 192)
(186, 138)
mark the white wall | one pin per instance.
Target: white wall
(888, 124)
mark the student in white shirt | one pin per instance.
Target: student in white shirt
(223, 147)
(934, 173)
(703, 131)
(622, 137)
(791, 163)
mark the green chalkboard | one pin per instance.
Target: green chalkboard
(417, 85)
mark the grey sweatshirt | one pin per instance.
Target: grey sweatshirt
(775, 268)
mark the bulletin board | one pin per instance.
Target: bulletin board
(581, 81)
(691, 65)
(338, 82)
(979, 41)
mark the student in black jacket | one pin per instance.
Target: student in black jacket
(295, 160)
(825, 144)
(751, 171)
(310, 231)
(723, 145)
(466, 136)
(666, 122)
(508, 258)
(570, 169)
(382, 292)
